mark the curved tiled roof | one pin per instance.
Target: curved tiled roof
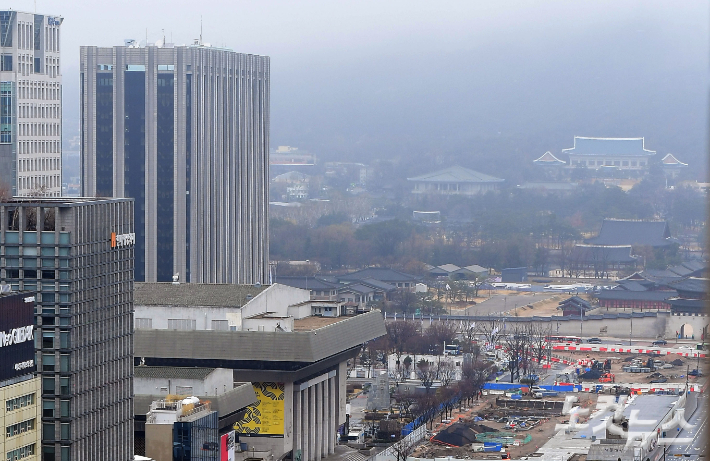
(456, 174)
(609, 146)
(633, 232)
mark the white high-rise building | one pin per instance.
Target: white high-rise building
(30, 104)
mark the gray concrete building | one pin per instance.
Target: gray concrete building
(77, 255)
(185, 131)
(30, 104)
(295, 361)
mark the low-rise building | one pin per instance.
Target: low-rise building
(298, 372)
(455, 180)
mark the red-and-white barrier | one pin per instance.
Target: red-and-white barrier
(630, 350)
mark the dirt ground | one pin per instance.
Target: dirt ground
(676, 374)
(486, 408)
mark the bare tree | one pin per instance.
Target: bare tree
(426, 374)
(400, 334)
(445, 372)
(540, 347)
(516, 344)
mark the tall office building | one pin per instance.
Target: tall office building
(30, 104)
(77, 255)
(185, 131)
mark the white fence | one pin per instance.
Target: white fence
(401, 450)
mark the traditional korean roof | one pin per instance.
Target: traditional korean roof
(633, 232)
(634, 295)
(476, 269)
(378, 284)
(378, 273)
(449, 267)
(633, 147)
(456, 174)
(547, 159)
(697, 287)
(306, 283)
(602, 254)
(669, 161)
(575, 302)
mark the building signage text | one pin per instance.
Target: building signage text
(122, 240)
(16, 336)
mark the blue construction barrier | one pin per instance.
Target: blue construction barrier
(409, 428)
(510, 386)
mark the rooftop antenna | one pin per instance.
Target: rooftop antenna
(200, 30)
(163, 37)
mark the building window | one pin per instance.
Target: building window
(19, 402)
(21, 453)
(20, 428)
(222, 325)
(183, 390)
(182, 324)
(144, 323)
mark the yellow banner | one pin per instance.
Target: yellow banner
(266, 416)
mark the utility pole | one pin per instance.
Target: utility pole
(631, 331)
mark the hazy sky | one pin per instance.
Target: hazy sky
(379, 78)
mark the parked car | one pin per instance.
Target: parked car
(594, 341)
(660, 342)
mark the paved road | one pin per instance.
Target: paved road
(501, 303)
(698, 433)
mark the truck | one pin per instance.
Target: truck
(607, 378)
(539, 393)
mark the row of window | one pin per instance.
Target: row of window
(19, 402)
(21, 453)
(39, 164)
(33, 183)
(631, 163)
(36, 147)
(28, 89)
(180, 324)
(39, 111)
(38, 129)
(20, 428)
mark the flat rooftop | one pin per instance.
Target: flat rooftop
(314, 322)
(194, 294)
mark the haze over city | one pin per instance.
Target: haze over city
(359, 81)
(354, 231)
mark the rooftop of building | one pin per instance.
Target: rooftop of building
(382, 274)
(456, 174)
(59, 201)
(670, 160)
(172, 372)
(633, 232)
(602, 254)
(609, 146)
(548, 159)
(314, 339)
(315, 322)
(194, 294)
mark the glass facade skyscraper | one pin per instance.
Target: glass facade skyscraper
(77, 255)
(184, 131)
